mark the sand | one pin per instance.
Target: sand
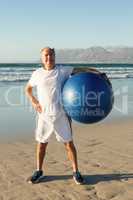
(105, 154)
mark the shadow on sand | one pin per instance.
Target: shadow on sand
(90, 179)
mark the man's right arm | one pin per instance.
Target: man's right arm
(35, 103)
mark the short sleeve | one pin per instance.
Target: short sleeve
(33, 79)
(66, 71)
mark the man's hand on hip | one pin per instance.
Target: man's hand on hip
(36, 105)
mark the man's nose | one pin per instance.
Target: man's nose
(49, 57)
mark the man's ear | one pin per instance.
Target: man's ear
(53, 50)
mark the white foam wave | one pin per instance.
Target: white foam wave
(22, 73)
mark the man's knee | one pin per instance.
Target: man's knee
(69, 145)
(42, 146)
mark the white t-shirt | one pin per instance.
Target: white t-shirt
(49, 84)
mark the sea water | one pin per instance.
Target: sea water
(17, 117)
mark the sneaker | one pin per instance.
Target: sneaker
(35, 177)
(78, 178)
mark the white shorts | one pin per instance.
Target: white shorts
(46, 126)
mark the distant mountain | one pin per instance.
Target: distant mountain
(95, 55)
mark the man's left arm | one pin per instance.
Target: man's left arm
(77, 70)
(85, 69)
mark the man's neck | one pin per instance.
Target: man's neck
(48, 69)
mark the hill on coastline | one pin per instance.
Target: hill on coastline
(95, 55)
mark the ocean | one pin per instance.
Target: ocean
(16, 114)
(21, 72)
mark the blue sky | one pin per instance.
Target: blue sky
(27, 26)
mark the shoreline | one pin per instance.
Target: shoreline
(29, 133)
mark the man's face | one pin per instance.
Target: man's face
(48, 59)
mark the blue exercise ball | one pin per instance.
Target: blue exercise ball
(87, 97)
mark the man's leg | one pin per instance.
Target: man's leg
(41, 150)
(40, 154)
(72, 154)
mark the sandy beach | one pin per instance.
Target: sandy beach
(105, 154)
